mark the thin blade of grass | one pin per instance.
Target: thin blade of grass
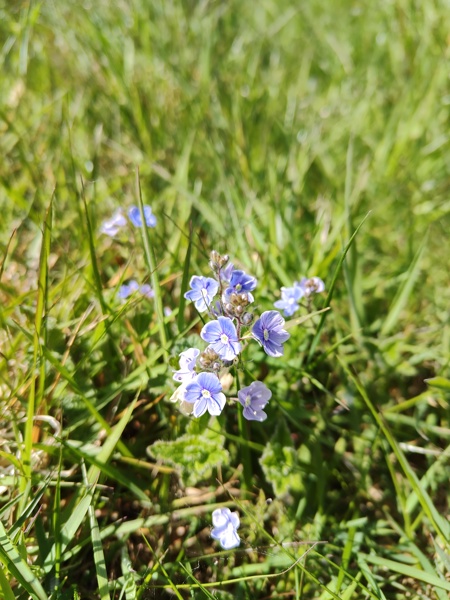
(99, 556)
(404, 292)
(408, 571)
(95, 272)
(441, 526)
(331, 289)
(151, 265)
(184, 283)
(37, 365)
(18, 567)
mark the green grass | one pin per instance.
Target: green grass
(301, 138)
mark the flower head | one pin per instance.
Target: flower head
(254, 398)
(268, 330)
(289, 300)
(241, 282)
(127, 289)
(111, 226)
(134, 215)
(222, 336)
(147, 291)
(313, 285)
(205, 392)
(188, 360)
(226, 272)
(226, 524)
(203, 291)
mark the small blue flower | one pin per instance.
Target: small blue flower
(205, 392)
(241, 283)
(111, 226)
(289, 299)
(311, 285)
(226, 524)
(203, 291)
(222, 337)
(134, 215)
(147, 291)
(127, 289)
(226, 272)
(188, 360)
(254, 398)
(268, 330)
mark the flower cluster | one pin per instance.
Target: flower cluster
(113, 225)
(227, 298)
(291, 296)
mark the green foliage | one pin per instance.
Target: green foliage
(194, 455)
(279, 462)
(302, 139)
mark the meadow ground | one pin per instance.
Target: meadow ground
(303, 139)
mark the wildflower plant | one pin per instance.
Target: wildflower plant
(228, 300)
(304, 289)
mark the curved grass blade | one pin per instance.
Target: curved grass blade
(331, 288)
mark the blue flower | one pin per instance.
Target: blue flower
(289, 299)
(147, 291)
(134, 215)
(311, 285)
(226, 272)
(131, 287)
(188, 360)
(203, 291)
(254, 398)
(222, 337)
(127, 289)
(111, 226)
(268, 330)
(226, 524)
(205, 392)
(241, 283)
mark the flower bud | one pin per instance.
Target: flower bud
(247, 318)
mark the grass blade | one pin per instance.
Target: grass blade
(151, 264)
(408, 571)
(184, 283)
(331, 288)
(404, 291)
(18, 567)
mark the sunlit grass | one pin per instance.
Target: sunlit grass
(303, 139)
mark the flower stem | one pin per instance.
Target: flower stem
(244, 434)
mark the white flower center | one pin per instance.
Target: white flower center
(206, 394)
(248, 400)
(224, 338)
(238, 287)
(205, 293)
(266, 334)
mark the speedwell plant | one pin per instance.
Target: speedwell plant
(227, 299)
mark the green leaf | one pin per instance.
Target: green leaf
(441, 383)
(195, 455)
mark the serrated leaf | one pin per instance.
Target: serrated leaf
(194, 455)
